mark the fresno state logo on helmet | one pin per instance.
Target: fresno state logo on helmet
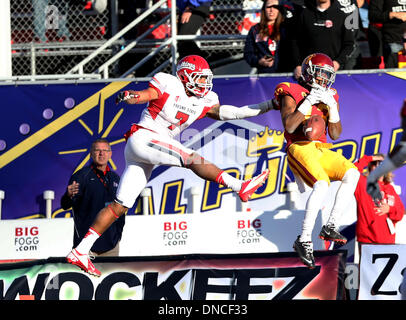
(195, 74)
(186, 65)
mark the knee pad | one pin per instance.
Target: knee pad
(351, 176)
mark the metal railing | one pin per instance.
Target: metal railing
(169, 43)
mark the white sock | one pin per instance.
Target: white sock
(313, 205)
(344, 194)
(229, 181)
(87, 242)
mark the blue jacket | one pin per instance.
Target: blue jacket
(92, 197)
(255, 49)
(182, 4)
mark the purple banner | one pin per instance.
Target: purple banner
(46, 132)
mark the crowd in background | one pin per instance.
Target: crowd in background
(287, 31)
(357, 34)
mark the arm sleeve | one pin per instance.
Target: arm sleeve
(296, 38)
(66, 201)
(348, 46)
(376, 13)
(362, 163)
(228, 112)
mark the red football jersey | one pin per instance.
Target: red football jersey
(299, 93)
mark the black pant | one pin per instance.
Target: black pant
(198, 17)
(375, 41)
(390, 57)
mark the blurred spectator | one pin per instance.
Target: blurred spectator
(193, 14)
(376, 221)
(363, 6)
(389, 179)
(322, 28)
(128, 11)
(267, 45)
(48, 15)
(351, 8)
(402, 54)
(252, 16)
(392, 15)
(374, 35)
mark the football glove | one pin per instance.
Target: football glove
(316, 95)
(311, 99)
(330, 101)
(125, 96)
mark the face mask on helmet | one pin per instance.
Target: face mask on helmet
(195, 74)
(323, 77)
(199, 83)
(318, 71)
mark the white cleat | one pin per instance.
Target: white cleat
(250, 186)
(83, 262)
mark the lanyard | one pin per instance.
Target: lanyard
(100, 178)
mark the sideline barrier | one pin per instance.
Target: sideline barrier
(383, 272)
(216, 233)
(273, 276)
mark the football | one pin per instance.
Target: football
(314, 127)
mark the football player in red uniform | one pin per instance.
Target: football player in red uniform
(395, 160)
(312, 162)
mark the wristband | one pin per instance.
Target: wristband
(334, 116)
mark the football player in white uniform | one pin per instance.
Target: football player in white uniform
(174, 103)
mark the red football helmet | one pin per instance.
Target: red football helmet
(318, 70)
(195, 74)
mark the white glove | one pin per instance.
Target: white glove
(330, 101)
(312, 98)
(316, 95)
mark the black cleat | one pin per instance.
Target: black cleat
(328, 233)
(305, 252)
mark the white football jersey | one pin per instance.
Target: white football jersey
(174, 111)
